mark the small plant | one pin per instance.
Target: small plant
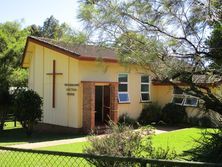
(174, 114)
(150, 114)
(28, 106)
(122, 140)
(160, 153)
(126, 120)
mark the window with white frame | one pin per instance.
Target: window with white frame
(123, 95)
(181, 98)
(145, 88)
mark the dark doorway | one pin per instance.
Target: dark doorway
(102, 105)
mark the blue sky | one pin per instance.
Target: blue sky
(36, 11)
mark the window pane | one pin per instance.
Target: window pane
(145, 97)
(123, 78)
(123, 88)
(191, 101)
(123, 97)
(144, 88)
(177, 91)
(178, 100)
(145, 79)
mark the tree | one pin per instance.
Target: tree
(12, 42)
(12, 38)
(51, 28)
(178, 31)
(215, 40)
(54, 30)
(28, 106)
(35, 30)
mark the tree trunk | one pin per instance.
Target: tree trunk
(29, 128)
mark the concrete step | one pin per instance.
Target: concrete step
(101, 129)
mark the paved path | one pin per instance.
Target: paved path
(68, 141)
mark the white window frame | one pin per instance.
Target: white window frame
(145, 92)
(185, 97)
(126, 92)
(178, 96)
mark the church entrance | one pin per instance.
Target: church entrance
(102, 105)
(99, 104)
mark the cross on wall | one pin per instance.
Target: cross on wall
(54, 74)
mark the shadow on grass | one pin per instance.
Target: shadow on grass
(18, 136)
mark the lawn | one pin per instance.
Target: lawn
(16, 135)
(179, 140)
(74, 147)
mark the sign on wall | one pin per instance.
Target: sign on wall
(71, 89)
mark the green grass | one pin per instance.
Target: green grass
(21, 159)
(74, 147)
(10, 125)
(179, 140)
(16, 135)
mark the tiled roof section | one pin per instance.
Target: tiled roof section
(207, 79)
(197, 79)
(87, 51)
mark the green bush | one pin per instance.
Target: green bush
(208, 148)
(205, 122)
(5, 101)
(193, 121)
(124, 141)
(174, 114)
(150, 114)
(28, 106)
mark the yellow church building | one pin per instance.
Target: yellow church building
(84, 86)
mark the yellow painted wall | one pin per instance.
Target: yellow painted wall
(66, 112)
(100, 71)
(162, 94)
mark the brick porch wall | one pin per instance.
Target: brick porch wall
(88, 106)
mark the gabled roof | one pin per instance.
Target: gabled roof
(81, 52)
(92, 53)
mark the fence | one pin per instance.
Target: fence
(13, 157)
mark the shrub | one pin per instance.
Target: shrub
(174, 114)
(123, 141)
(150, 113)
(126, 120)
(205, 121)
(28, 106)
(160, 153)
(194, 121)
(5, 101)
(208, 147)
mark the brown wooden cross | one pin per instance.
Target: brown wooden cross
(54, 73)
